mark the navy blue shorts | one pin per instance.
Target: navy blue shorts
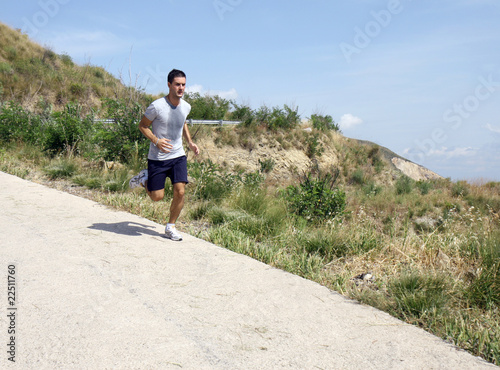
(158, 171)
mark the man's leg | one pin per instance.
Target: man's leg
(177, 201)
(155, 195)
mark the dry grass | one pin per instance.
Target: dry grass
(38, 78)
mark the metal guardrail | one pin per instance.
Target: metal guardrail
(105, 120)
(189, 121)
(211, 122)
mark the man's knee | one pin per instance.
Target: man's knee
(179, 190)
(156, 195)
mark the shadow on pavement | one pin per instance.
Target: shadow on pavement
(126, 228)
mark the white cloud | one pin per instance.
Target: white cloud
(450, 153)
(492, 128)
(194, 89)
(229, 94)
(348, 120)
(81, 44)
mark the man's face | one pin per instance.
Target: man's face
(177, 86)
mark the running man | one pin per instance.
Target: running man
(164, 125)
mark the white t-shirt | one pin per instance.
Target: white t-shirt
(168, 123)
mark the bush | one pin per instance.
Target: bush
(121, 140)
(404, 185)
(323, 123)
(266, 165)
(460, 189)
(314, 147)
(17, 124)
(244, 114)
(211, 182)
(358, 177)
(207, 107)
(315, 198)
(76, 89)
(66, 59)
(371, 189)
(6, 68)
(66, 130)
(424, 186)
(286, 118)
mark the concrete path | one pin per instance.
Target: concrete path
(101, 289)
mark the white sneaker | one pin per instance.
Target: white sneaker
(139, 180)
(173, 234)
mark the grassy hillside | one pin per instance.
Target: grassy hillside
(305, 199)
(36, 76)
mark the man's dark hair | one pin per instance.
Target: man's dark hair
(175, 73)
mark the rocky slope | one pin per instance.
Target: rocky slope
(291, 160)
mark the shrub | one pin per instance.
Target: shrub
(286, 118)
(423, 186)
(460, 189)
(266, 165)
(66, 59)
(244, 114)
(18, 124)
(371, 189)
(66, 130)
(211, 182)
(314, 147)
(11, 52)
(6, 68)
(122, 140)
(323, 123)
(76, 89)
(315, 198)
(207, 107)
(252, 179)
(358, 177)
(262, 115)
(404, 185)
(374, 155)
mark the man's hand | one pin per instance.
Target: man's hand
(164, 145)
(194, 148)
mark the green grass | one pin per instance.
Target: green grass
(61, 168)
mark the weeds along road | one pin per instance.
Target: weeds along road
(97, 288)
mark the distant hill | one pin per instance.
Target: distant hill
(409, 168)
(34, 76)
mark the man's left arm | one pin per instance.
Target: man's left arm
(187, 136)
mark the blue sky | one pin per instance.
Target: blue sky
(420, 77)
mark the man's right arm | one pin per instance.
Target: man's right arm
(145, 128)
